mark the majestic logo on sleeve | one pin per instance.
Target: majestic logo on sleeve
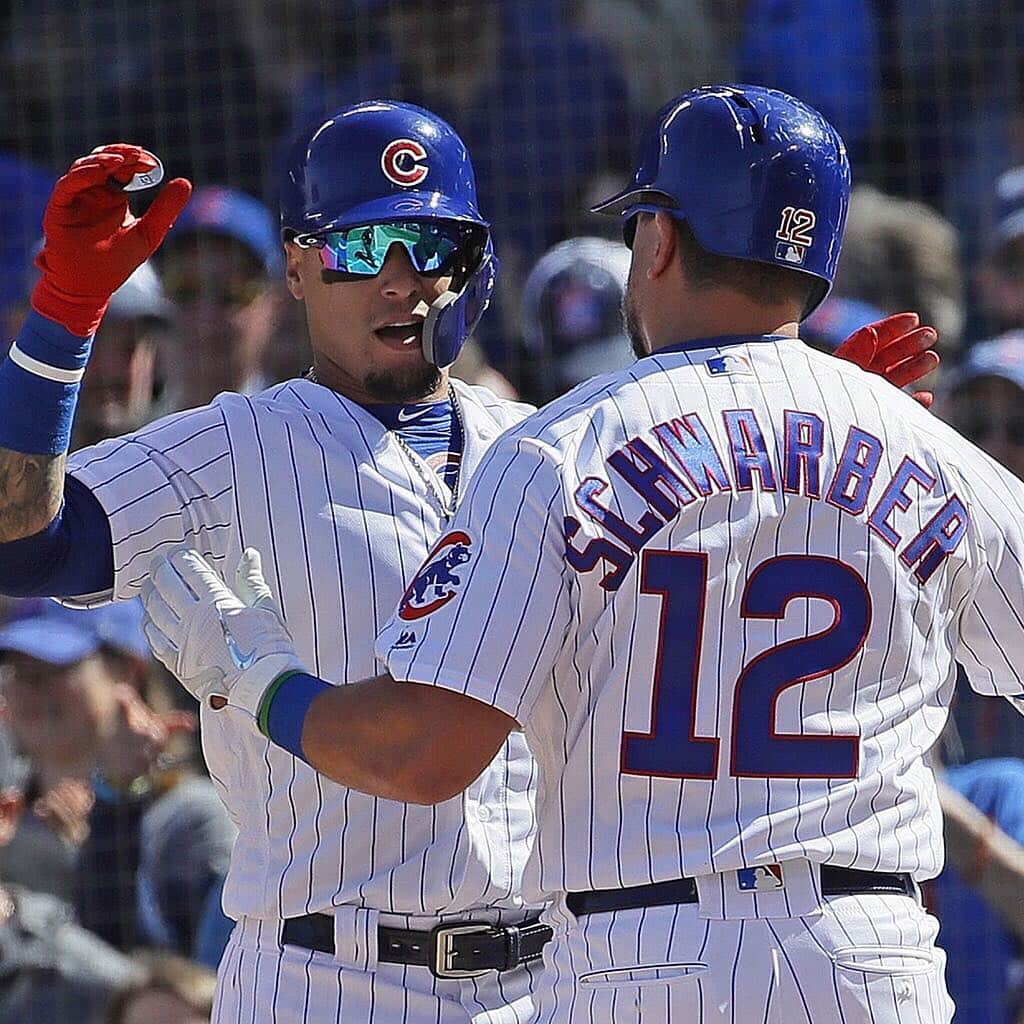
(437, 582)
(404, 162)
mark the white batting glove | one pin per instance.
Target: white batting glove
(225, 646)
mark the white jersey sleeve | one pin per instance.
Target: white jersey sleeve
(991, 636)
(165, 485)
(498, 577)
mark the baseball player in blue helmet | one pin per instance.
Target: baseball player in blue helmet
(754, 174)
(348, 907)
(380, 173)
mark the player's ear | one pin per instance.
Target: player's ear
(294, 256)
(665, 244)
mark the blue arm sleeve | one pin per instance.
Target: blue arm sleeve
(73, 556)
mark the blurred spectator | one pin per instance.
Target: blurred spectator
(24, 190)
(472, 367)
(825, 52)
(955, 114)
(222, 268)
(835, 320)
(541, 106)
(51, 969)
(141, 840)
(171, 990)
(901, 255)
(172, 76)
(572, 315)
(121, 383)
(1000, 276)
(65, 705)
(977, 896)
(665, 46)
(984, 400)
(185, 845)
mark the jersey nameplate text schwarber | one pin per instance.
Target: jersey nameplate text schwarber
(680, 463)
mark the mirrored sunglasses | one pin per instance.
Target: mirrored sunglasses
(433, 246)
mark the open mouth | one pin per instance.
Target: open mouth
(408, 333)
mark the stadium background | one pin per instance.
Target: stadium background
(549, 95)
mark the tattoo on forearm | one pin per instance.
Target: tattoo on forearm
(31, 490)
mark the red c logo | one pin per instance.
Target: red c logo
(402, 162)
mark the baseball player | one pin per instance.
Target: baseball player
(347, 907)
(721, 591)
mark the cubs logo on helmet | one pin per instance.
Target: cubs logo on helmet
(437, 582)
(403, 162)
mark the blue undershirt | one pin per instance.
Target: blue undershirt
(431, 429)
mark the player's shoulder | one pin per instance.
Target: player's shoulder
(598, 406)
(204, 424)
(504, 412)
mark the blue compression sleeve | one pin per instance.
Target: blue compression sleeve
(73, 556)
(39, 382)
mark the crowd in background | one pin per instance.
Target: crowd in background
(113, 838)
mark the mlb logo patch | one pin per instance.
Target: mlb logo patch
(763, 878)
(789, 252)
(718, 365)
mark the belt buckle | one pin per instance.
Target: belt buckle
(442, 941)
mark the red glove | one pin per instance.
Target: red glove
(896, 348)
(93, 242)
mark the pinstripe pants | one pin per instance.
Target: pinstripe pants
(865, 959)
(262, 982)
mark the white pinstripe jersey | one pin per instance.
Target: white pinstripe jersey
(727, 612)
(342, 518)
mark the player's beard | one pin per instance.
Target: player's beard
(406, 385)
(631, 318)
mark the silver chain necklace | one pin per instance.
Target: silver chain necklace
(446, 499)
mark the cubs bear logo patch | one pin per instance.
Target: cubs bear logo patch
(437, 582)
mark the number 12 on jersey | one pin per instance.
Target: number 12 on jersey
(672, 748)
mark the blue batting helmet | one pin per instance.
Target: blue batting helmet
(756, 174)
(379, 161)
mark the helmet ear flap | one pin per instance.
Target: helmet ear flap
(452, 317)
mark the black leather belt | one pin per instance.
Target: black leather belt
(835, 881)
(461, 950)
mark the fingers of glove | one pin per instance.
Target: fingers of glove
(250, 585)
(913, 369)
(161, 614)
(163, 650)
(907, 345)
(860, 347)
(201, 579)
(180, 595)
(163, 212)
(892, 327)
(139, 159)
(89, 172)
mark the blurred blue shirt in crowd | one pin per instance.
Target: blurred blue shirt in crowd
(983, 970)
(825, 52)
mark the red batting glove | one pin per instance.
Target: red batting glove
(93, 242)
(896, 348)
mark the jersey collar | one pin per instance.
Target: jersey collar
(722, 341)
